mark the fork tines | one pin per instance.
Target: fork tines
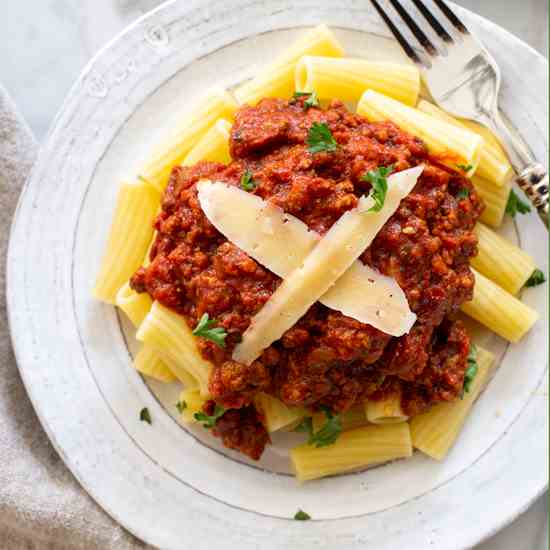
(416, 30)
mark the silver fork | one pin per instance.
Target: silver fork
(466, 82)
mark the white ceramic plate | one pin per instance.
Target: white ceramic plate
(173, 487)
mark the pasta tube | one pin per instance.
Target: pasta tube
(347, 79)
(277, 79)
(276, 414)
(493, 163)
(495, 198)
(498, 310)
(501, 261)
(354, 418)
(130, 235)
(213, 146)
(135, 306)
(435, 431)
(355, 449)
(386, 411)
(455, 146)
(168, 333)
(216, 104)
(183, 375)
(149, 362)
(191, 402)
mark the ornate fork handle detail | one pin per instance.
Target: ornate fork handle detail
(533, 177)
(534, 182)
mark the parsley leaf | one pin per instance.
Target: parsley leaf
(297, 95)
(206, 328)
(210, 421)
(320, 138)
(145, 415)
(181, 406)
(311, 101)
(464, 167)
(378, 179)
(537, 278)
(247, 183)
(329, 433)
(515, 205)
(300, 515)
(464, 193)
(471, 369)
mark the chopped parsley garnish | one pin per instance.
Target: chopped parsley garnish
(210, 421)
(320, 138)
(300, 515)
(311, 101)
(145, 415)
(537, 278)
(515, 205)
(378, 179)
(181, 406)
(329, 433)
(247, 181)
(464, 167)
(297, 95)
(207, 329)
(464, 193)
(471, 369)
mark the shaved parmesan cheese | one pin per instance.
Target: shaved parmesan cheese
(276, 240)
(372, 298)
(323, 266)
(362, 292)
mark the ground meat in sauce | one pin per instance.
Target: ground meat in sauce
(326, 358)
(240, 429)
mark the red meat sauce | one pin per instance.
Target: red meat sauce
(326, 358)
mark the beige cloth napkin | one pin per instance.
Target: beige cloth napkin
(42, 506)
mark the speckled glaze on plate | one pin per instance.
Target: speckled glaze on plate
(175, 487)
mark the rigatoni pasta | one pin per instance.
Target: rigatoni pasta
(215, 104)
(354, 449)
(386, 411)
(351, 419)
(150, 363)
(135, 306)
(276, 414)
(213, 146)
(455, 146)
(190, 403)
(495, 198)
(501, 261)
(435, 431)
(130, 235)
(168, 333)
(277, 79)
(493, 164)
(347, 79)
(499, 310)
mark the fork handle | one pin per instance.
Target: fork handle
(534, 183)
(533, 177)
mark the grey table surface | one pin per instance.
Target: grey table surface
(44, 44)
